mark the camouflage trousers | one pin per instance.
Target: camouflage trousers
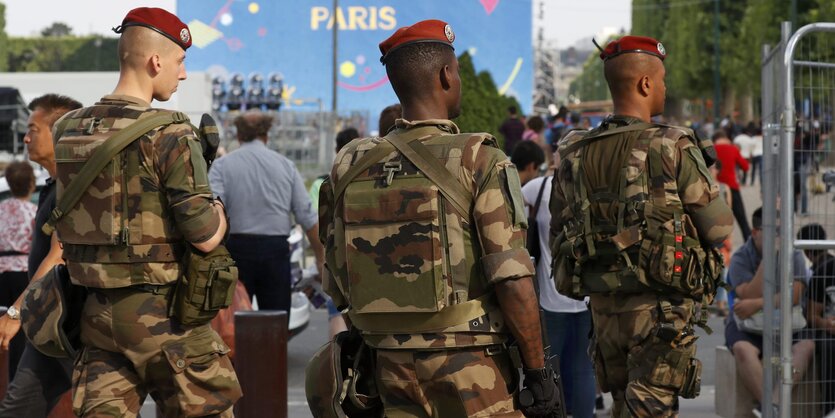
(643, 355)
(133, 349)
(454, 383)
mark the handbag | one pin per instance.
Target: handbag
(532, 242)
(754, 324)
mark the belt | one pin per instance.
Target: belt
(157, 289)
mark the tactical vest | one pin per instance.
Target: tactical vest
(630, 236)
(405, 251)
(121, 232)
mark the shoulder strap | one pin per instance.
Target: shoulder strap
(596, 136)
(539, 197)
(656, 172)
(368, 159)
(373, 156)
(101, 157)
(427, 163)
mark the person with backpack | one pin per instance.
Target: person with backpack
(425, 237)
(635, 218)
(127, 231)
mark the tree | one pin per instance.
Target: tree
(56, 30)
(4, 41)
(686, 27)
(89, 53)
(482, 107)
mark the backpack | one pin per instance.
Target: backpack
(629, 236)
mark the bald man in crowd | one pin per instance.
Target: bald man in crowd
(635, 215)
(157, 194)
(265, 197)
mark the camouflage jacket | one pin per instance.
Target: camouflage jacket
(132, 224)
(687, 186)
(371, 233)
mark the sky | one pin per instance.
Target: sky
(565, 21)
(568, 21)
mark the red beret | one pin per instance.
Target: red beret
(424, 31)
(638, 44)
(159, 20)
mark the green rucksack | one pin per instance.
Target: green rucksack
(628, 236)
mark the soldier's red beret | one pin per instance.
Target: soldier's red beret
(160, 20)
(637, 44)
(424, 31)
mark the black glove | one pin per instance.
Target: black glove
(540, 397)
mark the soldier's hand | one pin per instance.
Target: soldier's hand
(8, 329)
(542, 387)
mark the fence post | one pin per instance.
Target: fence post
(4, 365)
(261, 363)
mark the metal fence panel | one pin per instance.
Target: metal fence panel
(798, 111)
(308, 138)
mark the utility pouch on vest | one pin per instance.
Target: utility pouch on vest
(409, 276)
(692, 380)
(673, 259)
(207, 286)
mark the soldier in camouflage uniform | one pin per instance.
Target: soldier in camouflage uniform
(634, 216)
(436, 286)
(126, 237)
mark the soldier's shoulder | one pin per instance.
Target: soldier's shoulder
(177, 124)
(477, 141)
(672, 136)
(568, 142)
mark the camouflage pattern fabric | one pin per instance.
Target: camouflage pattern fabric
(403, 251)
(660, 219)
(133, 349)
(446, 384)
(643, 372)
(130, 226)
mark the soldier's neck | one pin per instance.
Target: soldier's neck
(628, 106)
(131, 86)
(643, 116)
(423, 111)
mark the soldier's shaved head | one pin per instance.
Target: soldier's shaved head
(423, 73)
(625, 71)
(149, 62)
(636, 80)
(413, 69)
(137, 44)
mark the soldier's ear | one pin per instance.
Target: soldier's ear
(154, 64)
(644, 85)
(446, 77)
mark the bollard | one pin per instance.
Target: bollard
(261, 363)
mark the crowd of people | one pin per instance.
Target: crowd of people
(739, 164)
(392, 213)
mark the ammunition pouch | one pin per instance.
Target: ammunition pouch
(206, 287)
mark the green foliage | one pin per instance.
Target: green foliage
(57, 29)
(69, 53)
(686, 27)
(591, 84)
(482, 107)
(4, 42)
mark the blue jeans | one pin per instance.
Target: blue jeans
(568, 334)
